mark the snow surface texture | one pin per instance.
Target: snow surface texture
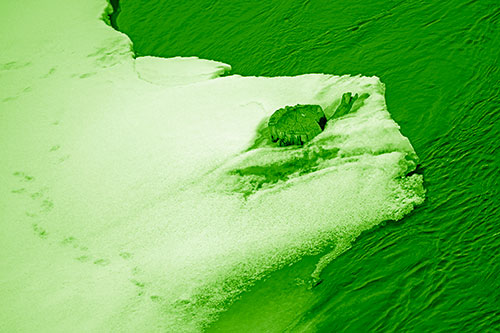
(130, 200)
(178, 71)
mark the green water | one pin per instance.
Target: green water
(438, 269)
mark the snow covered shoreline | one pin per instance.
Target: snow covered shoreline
(117, 211)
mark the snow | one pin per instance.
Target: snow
(120, 207)
(178, 70)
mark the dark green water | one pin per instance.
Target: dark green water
(439, 268)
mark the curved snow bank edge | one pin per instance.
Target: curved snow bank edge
(176, 71)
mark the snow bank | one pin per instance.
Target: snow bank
(131, 206)
(178, 71)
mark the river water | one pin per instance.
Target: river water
(436, 270)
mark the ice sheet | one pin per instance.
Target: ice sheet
(123, 203)
(178, 70)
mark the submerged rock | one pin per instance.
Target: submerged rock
(295, 125)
